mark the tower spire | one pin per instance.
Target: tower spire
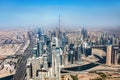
(59, 27)
(59, 21)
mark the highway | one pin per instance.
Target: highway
(109, 70)
(68, 72)
(72, 72)
(21, 66)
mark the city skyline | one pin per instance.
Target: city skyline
(59, 40)
(45, 13)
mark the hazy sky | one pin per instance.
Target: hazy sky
(91, 13)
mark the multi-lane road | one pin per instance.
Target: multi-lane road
(21, 66)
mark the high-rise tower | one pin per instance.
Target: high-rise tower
(79, 53)
(114, 55)
(108, 56)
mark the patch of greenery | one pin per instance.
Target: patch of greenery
(74, 77)
(101, 74)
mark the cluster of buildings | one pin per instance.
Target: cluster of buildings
(55, 49)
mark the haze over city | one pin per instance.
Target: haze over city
(45, 13)
(59, 39)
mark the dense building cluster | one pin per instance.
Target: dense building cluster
(55, 49)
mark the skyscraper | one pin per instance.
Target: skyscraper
(79, 53)
(45, 61)
(84, 33)
(71, 56)
(59, 31)
(35, 52)
(114, 55)
(39, 48)
(108, 56)
(39, 33)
